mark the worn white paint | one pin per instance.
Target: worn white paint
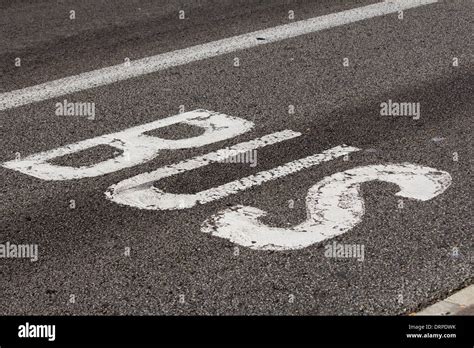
(137, 147)
(334, 206)
(108, 75)
(139, 191)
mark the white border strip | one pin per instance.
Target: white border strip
(105, 76)
(452, 305)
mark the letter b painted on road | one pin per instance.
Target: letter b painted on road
(136, 147)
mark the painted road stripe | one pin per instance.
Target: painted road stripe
(455, 304)
(139, 191)
(105, 76)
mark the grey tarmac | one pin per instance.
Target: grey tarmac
(413, 256)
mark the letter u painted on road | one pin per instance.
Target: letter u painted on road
(140, 192)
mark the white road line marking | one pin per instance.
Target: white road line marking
(105, 76)
(334, 206)
(139, 191)
(452, 305)
(137, 147)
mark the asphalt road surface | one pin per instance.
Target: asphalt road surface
(153, 247)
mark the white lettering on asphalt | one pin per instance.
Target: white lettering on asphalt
(108, 75)
(334, 206)
(137, 147)
(139, 191)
